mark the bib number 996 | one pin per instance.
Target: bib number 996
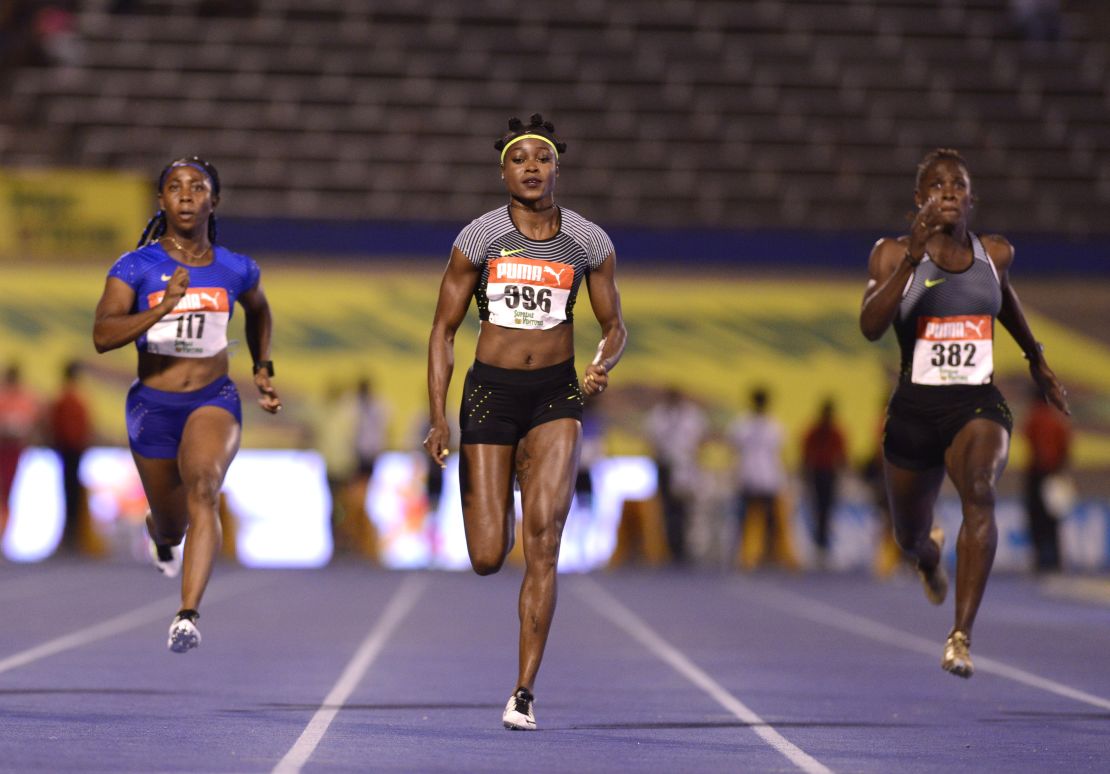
(528, 297)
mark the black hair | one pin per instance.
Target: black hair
(935, 155)
(156, 226)
(760, 397)
(537, 125)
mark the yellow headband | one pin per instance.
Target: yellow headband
(510, 143)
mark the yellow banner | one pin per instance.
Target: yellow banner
(63, 215)
(714, 338)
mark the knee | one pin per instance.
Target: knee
(542, 548)
(486, 564)
(981, 493)
(204, 490)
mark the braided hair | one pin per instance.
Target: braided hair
(536, 125)
(156, 226)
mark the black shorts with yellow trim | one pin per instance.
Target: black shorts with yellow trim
(500, 405)
(922, 421)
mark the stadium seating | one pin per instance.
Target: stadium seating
(712, 113)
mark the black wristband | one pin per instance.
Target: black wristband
(264, 364)
(1038, 350)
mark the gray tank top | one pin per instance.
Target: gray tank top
(945, 322)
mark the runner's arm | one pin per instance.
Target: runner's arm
(114, 325)
(455, 290)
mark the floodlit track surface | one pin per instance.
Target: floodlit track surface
(355, 669)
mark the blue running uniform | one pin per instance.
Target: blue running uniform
(197, 327)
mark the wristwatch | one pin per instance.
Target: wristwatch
(268, 365)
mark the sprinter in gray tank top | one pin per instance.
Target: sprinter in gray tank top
(942, 288)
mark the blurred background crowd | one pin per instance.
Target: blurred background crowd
(744, 156)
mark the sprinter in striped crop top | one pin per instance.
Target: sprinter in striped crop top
(524, 265)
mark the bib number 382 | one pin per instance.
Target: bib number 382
(953, 350)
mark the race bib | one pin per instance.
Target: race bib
(953, 350)
(529, 294)
(197, 327)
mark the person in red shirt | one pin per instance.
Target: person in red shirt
(71, 435)
(19, 417)
(823, 455)
(1049, 436)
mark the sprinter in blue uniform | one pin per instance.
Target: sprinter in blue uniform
(942, 287)
(523, 264)
(174, 297)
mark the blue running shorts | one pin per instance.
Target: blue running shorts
(156, 418)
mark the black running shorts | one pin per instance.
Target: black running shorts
(921, 421)
(500, 405)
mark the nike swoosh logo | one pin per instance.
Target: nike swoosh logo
(166, 277)
(933, 282)
(505, 252)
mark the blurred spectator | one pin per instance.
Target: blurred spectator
(371, 427)
(433, 477)
(55, 30)
(675, 429)
(19, 418)
(887, 554)
(1049, 436)
(758, 439)
(593, 437)
(70, 435)
(823, 456)
(334, 430)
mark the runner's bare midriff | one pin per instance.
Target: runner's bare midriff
(180, 374)
(517, 349)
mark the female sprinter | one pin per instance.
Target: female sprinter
(173, 297)
(522, 405)
(942, 287)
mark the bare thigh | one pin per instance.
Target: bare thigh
(486, 478)
(209, 443)
(547, 466)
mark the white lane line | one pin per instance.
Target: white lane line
(162, 608)
(399, 606)
(615, 611)
(803, 607)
